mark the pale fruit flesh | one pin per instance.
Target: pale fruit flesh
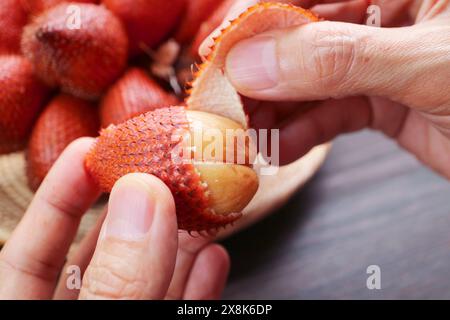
(230, 185)
(219, 139)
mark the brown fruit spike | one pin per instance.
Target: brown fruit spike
(12, 20)
(84, 54)
(65, 119)
(21, 98)
(132, 95)
(207, 195)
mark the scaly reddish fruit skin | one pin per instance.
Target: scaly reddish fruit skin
(147, 22)
(22, 96)
(195, 14)
(63, 120)
(133, 94)
(84, 61)
(130, 147)
(12, 20)
(35, 7)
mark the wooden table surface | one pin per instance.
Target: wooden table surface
(371, 204)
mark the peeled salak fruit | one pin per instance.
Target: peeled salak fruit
(207, 194)
(37, 6)
(63, 120)
(196, 13)
(12, 20)
(133, 94)
(83, 51)
(148, 22)
(210, 191)
(22, 96)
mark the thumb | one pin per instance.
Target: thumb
(333, 59)
(136, 251)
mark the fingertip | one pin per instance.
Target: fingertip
(68, 176)
(74, 153)
(209, 273)
(221, 256)
(79, 146)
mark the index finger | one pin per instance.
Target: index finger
(32, 258)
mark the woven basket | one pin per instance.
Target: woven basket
(274, 191)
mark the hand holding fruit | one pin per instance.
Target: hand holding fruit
(141, 208)
(395, 80)
(135, 252)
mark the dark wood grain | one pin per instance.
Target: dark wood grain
(371, 203)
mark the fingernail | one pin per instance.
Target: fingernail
(252, 64)
(131, 209)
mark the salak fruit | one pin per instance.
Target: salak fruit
(82, 54)
(148, 22)
(209, 192)
(133, 94)
(37, 6)
(195, 14)
(12, 20)
(210, 24)
(63, 120)
(22, 96)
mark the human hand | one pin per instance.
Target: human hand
(353, 11)
(395, 80)
(138, 255)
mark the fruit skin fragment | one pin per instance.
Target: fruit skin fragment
(83, 61)
(63, 120)
(22, 97)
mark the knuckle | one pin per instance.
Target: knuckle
(111, 277)
(334, 56)
(103, 283)
(61, 206)
(31, 266)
